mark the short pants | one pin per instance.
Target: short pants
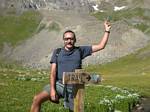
(63, 92)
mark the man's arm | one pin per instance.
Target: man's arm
(53, 82)
(101, 45)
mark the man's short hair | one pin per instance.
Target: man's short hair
(70, 31)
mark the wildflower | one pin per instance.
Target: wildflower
(117, 111)
(33, 79)
(119, 97)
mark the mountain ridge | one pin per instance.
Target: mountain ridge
(36, 51)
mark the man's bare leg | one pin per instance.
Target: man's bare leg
(38, 100)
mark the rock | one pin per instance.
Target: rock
(144, 106)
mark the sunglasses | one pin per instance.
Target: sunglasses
(66, 39)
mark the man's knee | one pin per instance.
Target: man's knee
(36, 99)
(39, 98)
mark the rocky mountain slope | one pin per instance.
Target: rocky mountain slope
(124, 39)
(81, 6)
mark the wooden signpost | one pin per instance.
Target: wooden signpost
(79, 79)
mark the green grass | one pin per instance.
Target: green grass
(17, 95)
(19, 85)
(14, 29)
(132, 71)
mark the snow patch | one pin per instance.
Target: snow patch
(95, 7)
(116, 8)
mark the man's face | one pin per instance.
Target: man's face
(69, 40)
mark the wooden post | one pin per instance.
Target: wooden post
(78, 78)
(79, 96)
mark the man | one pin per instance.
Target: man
(68, 59)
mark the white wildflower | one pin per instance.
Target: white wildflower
(117, 111)
(119, 97)
(33, 79)
(109, 86)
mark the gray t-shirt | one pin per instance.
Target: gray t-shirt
(68, 61)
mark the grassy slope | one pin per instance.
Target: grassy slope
(131, 71)
(17, 92)
(17, 95)
(126, 15)
(14, 29)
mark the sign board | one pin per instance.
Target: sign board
(79, 78)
